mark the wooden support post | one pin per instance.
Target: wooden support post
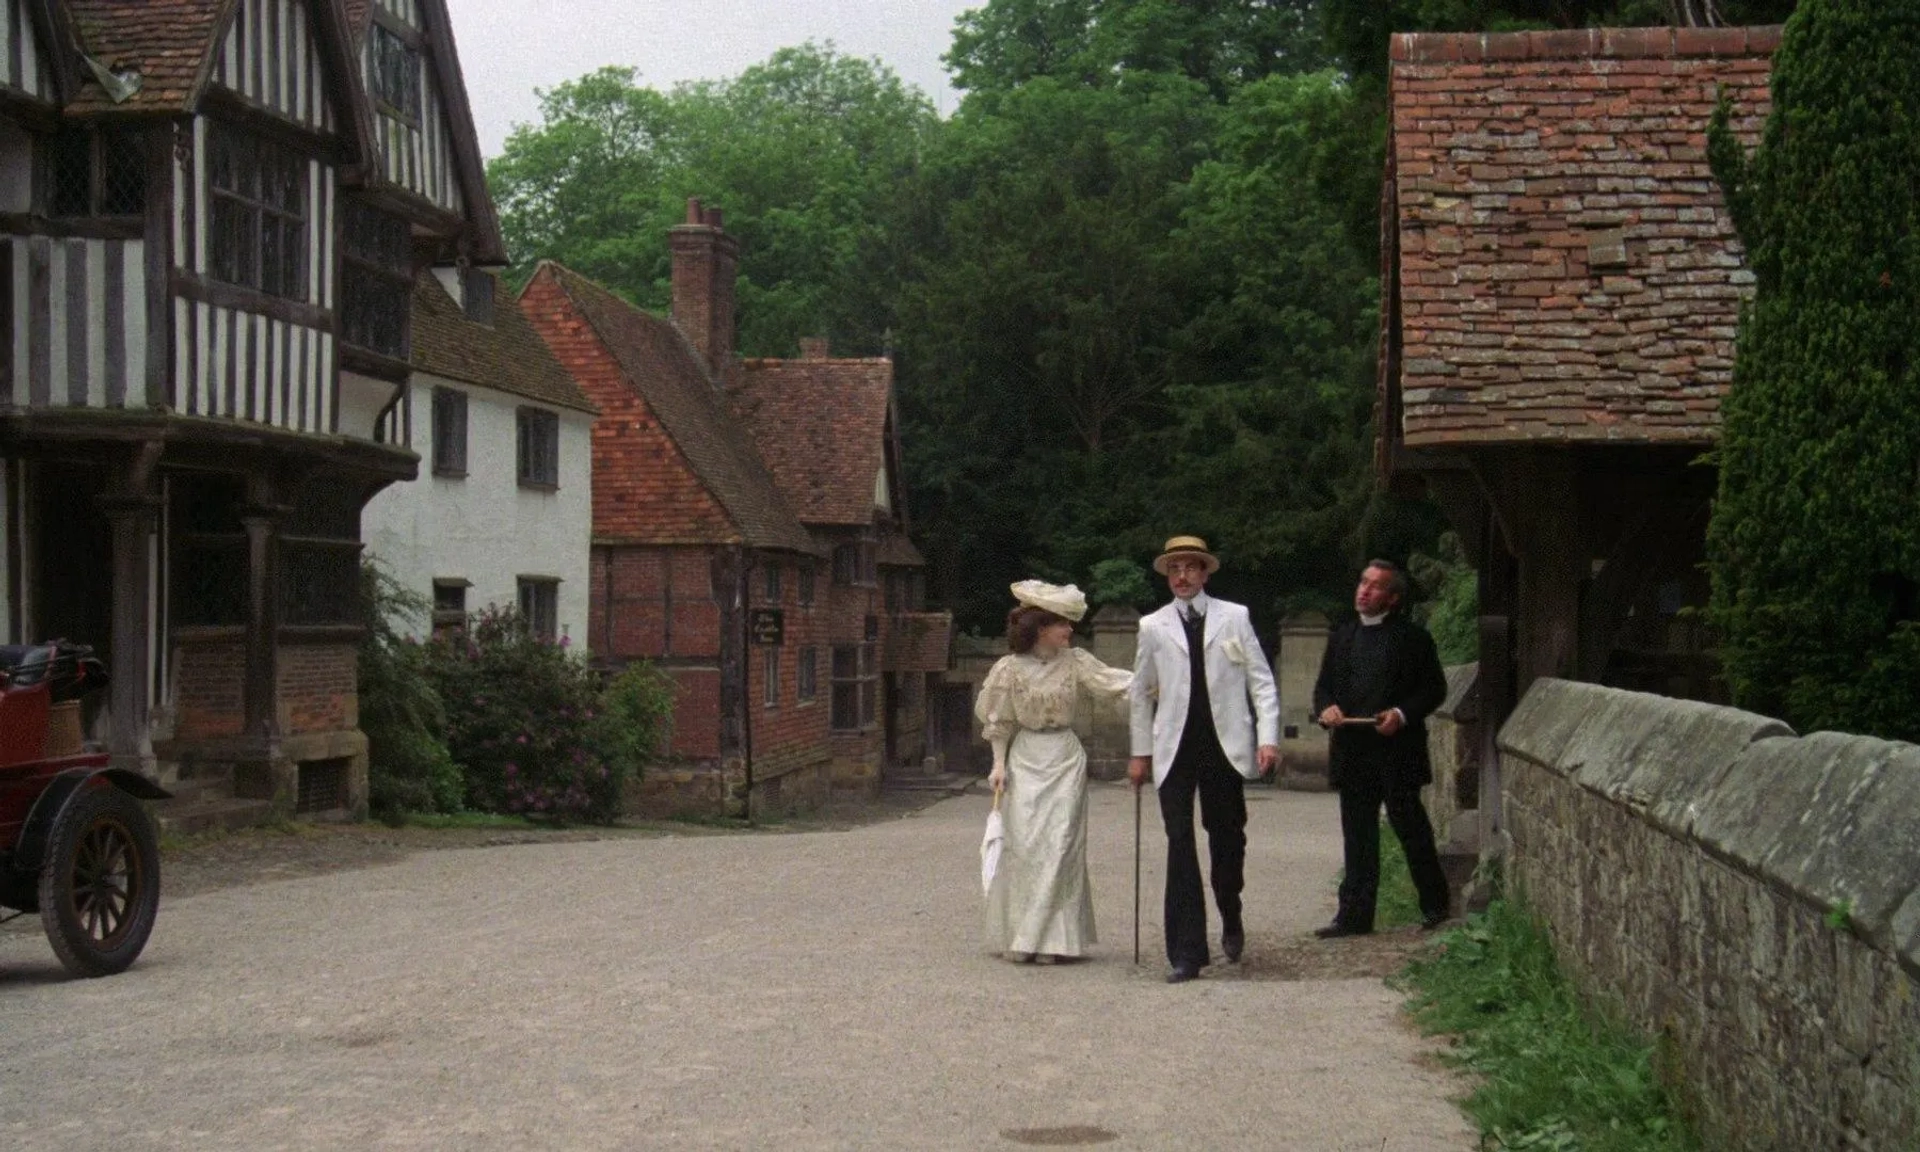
(131, 519)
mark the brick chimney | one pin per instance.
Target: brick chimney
(705, 262)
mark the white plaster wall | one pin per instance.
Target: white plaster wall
(361, 400)
(484, 527)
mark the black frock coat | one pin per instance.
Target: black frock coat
(1415, 684)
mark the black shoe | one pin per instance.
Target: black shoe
(1432, 920)
(1233, 943)
(1182, 973)
(1336, 930)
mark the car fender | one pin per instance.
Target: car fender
(31, 849)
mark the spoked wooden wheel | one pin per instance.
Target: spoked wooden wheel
(100, 884)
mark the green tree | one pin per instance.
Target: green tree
(1136, 312)
(1814, 549)
(811, 154)
(1221, 43)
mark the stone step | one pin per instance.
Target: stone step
(201, 788)
(210, 813)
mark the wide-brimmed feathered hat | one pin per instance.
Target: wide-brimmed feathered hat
(1186, 546)
(1060, 599)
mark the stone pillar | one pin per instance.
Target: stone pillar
(1303, 743)
(132, 519)
(1116, 633)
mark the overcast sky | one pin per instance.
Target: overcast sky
(510, 47)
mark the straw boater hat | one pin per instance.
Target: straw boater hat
(1186, 546)
(1060, 599)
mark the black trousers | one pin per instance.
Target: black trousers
(1360, 803)
(1223, 811)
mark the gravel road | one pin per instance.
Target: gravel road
(824, 989)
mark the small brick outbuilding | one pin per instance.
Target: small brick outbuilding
(748, 538)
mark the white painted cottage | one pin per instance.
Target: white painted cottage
(502, 513)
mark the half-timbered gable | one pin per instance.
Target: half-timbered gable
(423, 137)
(271, 59)
(31, 67)
(204, 335)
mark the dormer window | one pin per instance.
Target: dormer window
(476, 295)
(257, 201)
(395, 64)
(96, 172)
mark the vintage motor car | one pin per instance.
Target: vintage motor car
(76, 844)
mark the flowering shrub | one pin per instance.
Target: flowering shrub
(535, 730)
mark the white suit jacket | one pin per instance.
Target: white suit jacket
(1246, 703)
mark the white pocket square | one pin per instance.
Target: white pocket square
(1235, 652)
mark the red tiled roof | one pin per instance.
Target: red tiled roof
(1566, 267)
(916, 642)
(168, 42)
(506, 354)
(662, 369)
(821, 424)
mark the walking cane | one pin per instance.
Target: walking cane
(1136, 875)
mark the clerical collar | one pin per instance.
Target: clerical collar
(1196, 605)
(1371, 621)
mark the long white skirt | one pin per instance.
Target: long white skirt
(1040, 900)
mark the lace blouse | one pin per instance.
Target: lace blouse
(1026, 691)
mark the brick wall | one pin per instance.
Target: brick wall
(792, 733)
(209, 688)
(1746, 893)
(657, 604)
(318, 688)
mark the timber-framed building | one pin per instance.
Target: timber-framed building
(211, 219)
(1561, 288)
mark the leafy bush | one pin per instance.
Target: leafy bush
(1452, 612)
(409, 767)
(532, 726)
(636, 719)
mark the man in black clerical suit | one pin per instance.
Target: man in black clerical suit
(1380, 678)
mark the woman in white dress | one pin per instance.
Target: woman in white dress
(1039, 906)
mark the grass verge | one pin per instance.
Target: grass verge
(1550, 1074)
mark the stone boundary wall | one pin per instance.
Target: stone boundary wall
(1691, 863)
(1453, 745)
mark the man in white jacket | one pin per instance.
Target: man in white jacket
(1206, 718)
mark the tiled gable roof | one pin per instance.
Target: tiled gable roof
(663, 370)
(1560, 255)
(821, 424)
(506, 355)
(168, 42)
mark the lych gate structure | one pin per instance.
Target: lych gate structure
(1561, 285)
(210, 221)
